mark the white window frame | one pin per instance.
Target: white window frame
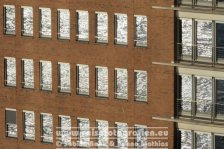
(135, 79)
(141, 127)
(12, 32)
(24, 126)
(77, 29)
(65, 116)
(22, 21)
(58, 19)
(136, 41)
(77, 73)
(116, 93)
(96, 36)
(107, 138)
(117, 137)
(115, 29)
(40, 27)
(96, 74)
(59, 79)
(41, 77)
(6, 74)
(43, 139)
(79, 130)
(23, 75)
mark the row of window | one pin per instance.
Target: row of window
(193, 139)
(209, 3)
(201, 40)
(200, 96)
(82, 75)
(82, 20)
(65, 130)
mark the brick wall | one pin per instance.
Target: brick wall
(160, 78)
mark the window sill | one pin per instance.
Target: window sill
(83, 40)
(121, 99)
(46, 90)
(102, 97)
(141, 101)
(84, 95)
(141, 47)
(46, 141)
(28, 88)
(29, 139)
(10, 86)
(45, 37)
(12, 137)
(121, 44)
(64, 38)
(27, 36)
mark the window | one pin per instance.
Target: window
(190, 139)
(185, 41)
(219, 102)
(204, 2)
(29, 125)
(203, 140)
(11, 122)
(84, 132)
(219, 141)
(102, 133)
(185, 2)
(203, 95)
(121, 83)
(83, 79)
(220, 41)
(198, 98)
(141, 136)
(27, 21)
(45, 22)
(10, 71)
(65, 130)
(28, 73)
(185, 93)
(102, 81)
(46, 127)
(122, 135)
(141, 31)
(101, 27)
(140, 85)
(204, 39)
(46, 75)
(220, 3)
(82, 25)
(64, 77)
(9, 18)
(63, 24)
(186, 139)
(121, 29)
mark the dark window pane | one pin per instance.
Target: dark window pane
(219, 142)
(220, 40)
(220, 3)
(11, 117)
(204, 2)
(186, 2)
(219, 96)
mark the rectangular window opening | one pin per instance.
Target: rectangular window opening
(83, 79)
(11, 123)
(102, 81)
(10, 71)
(82, 25)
